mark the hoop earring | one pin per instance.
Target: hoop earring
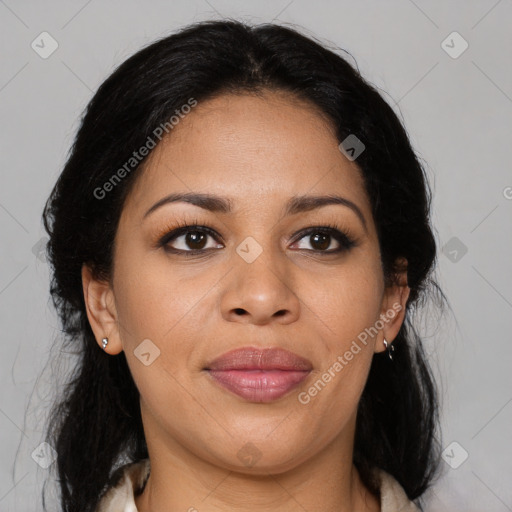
(390, 350)
(105, 341)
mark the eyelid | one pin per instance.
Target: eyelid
(174, 226)
(345, 240)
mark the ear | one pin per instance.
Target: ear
(101, 310)
(393, 306)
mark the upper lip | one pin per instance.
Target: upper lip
(253, 358)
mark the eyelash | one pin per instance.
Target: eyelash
(168, 234)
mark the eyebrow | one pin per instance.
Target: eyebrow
(296, 204)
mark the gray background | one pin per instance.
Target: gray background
(458, 112)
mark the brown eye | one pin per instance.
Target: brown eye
(189, 239)
(322, 237)
(320, 241)
(195, 240)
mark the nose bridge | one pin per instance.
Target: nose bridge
(260, 267)
(260, 287)
(260, 243)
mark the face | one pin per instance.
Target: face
(257, 271)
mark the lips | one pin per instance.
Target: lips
(259, 375)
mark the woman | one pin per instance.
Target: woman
(238, 240)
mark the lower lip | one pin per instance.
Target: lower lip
(259, 385)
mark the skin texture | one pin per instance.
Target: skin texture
(258, 151)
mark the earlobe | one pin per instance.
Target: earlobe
(394, 307)
(101, 311)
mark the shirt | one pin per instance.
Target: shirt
(120, 497)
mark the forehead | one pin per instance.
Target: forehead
(258, 150)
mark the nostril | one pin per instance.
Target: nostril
(239, 311)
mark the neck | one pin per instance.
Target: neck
(181, 481)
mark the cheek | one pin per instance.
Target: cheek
(152, 296)
(167, 306)
(345, 313)
(345, 302)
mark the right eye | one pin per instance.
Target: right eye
(188, 239)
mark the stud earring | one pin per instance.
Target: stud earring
(105, 341)
(390, 350)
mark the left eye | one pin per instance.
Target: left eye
(320, 241)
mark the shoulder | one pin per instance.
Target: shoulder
(392, 496)
(128, 481)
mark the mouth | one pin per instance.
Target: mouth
(259, 375)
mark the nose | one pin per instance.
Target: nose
(260, 292)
